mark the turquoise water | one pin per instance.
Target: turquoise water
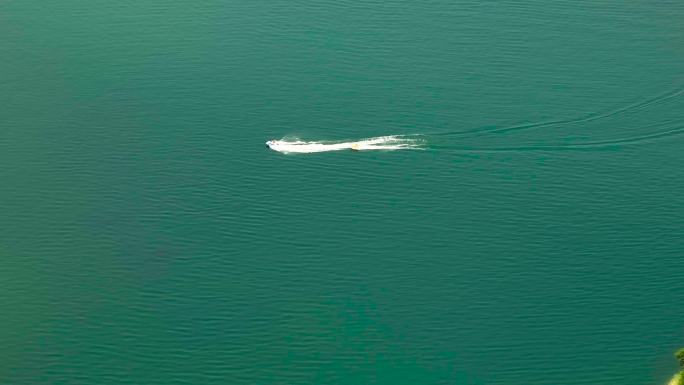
(149, 237)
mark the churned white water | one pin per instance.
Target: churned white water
(379, 143)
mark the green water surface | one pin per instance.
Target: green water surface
(147, 235)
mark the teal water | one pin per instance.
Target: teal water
(147, 235)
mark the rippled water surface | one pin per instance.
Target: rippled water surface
(148, 235)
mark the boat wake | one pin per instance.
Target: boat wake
(628, 129)
(386, 143)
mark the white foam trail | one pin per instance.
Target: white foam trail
(380, 143)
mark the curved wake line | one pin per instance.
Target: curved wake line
(386, 143)
(662, 98)
(579, 146)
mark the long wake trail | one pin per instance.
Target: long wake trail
(420, 141)
(660, 99)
